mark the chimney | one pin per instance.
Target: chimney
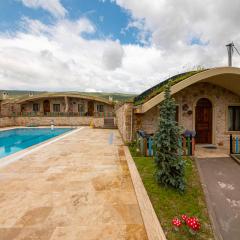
(4, 95)
(110, 99)
(30, 94)
(230, 53)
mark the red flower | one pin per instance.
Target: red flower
(176, 222)
(184, 217)
(193, 223)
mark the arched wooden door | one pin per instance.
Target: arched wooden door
(46, 106)
(90, 108)
(203, 121)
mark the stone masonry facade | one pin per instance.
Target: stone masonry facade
(67, 104)
(46, 121)
(186, 99)
(124, 116)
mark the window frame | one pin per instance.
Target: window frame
(56, 104)
(38, 107)
(79, 108)
(234, 118)
(100, 106)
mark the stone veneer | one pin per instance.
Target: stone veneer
(46, 121)
(124, 121)
(8, 108)
(148, 121)
(6, 121)
(186, 100)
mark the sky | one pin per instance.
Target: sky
(111, 45)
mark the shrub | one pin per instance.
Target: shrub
(169, 162)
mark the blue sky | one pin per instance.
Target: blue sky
(111, 45)
(110, 19)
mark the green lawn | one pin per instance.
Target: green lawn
(169, 203)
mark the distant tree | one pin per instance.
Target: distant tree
(169, 162)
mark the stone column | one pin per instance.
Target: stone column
(66, 104)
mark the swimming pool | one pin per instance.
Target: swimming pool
(14, 140)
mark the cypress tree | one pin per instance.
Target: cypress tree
(168, 159)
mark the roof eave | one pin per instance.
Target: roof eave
(202, 76)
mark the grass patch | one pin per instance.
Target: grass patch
(152, 92)
(169, 203)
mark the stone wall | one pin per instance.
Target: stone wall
(186, 100)
(6, 121)
(148, 121)
(72, 105)
(7, 109)
(46, 121)
(220, 98)
(124, 121)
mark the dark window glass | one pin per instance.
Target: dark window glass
(80, 107)
(35, 107)
(100, 108)
(56, 107)
(234, 118)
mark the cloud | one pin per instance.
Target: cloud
(113, 55)
(174, 24)
(53, 6)
(143, 35)
(57, 57)
(61, 27)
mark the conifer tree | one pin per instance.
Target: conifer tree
(168, 159)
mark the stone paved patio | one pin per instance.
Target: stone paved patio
(76, 188)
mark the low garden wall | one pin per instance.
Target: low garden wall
(46, 121)
(6, 121)
(124, 121)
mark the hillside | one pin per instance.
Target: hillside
(121, 97)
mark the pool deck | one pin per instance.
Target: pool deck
(76, 188)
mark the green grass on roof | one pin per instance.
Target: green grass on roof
(16, 95)
(155, 90)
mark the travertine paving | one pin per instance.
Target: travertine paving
(76, 188)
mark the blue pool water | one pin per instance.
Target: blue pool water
(14, 140)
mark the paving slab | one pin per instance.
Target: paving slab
(220, 178)
(76, 188)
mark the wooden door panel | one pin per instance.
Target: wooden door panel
(46, 106)
(90, 108)
(203, 121)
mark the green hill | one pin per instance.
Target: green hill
(121, 97)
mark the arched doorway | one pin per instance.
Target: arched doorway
(90, 108)
(203, 121)
(46, 106)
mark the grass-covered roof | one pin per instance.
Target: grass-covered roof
(155, 90)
